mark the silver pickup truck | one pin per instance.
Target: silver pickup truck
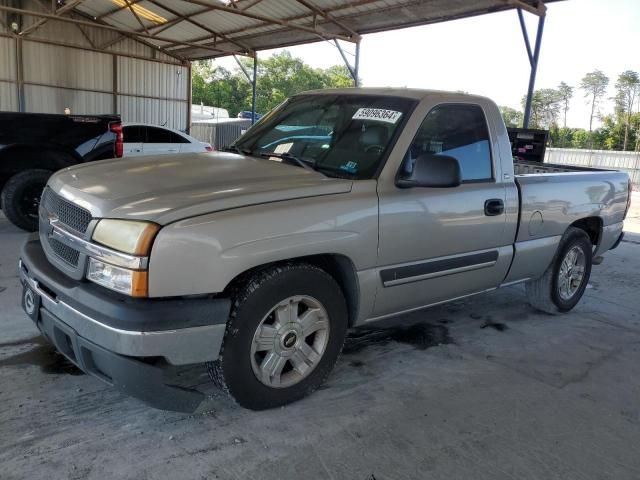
(339, 208)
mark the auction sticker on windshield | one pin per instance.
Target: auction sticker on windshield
(379, 114)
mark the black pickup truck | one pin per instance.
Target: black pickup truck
(34, 145)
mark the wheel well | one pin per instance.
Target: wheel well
(16, 158)
(592, 227)
(340, 267)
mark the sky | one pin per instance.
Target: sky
(486, 55)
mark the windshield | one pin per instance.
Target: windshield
(339, 135)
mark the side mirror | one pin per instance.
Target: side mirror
(435, 171)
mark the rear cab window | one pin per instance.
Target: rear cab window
(459, 131)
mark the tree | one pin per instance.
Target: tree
(511, 116)
(594, 85)
(565, 93)
(545, 107)
(279, 77)
(627, 91)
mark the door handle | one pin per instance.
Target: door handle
(493, 207)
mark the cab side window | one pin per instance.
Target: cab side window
(459, 131)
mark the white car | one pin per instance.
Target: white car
(144, 139)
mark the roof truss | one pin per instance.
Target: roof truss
(214, 30)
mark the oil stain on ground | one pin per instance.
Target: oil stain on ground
(421, 336)
(501, 327)
(43, 355)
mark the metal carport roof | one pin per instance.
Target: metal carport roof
(196, 29)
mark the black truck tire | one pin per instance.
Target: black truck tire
(272, 300)
(21, 198)
(548, 293)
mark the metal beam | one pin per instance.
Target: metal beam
(356, 69)
(189, 96)
(132, 37)
(525, 34)
(116, 10)
(352, 70)
(138, 35)
(327, 16)
(44, 41)
(65, 8)
(133, 12)
(539, 10)
(86, 37)
(270, 20)
(534, 68)
(187, 18)
(244, 70)
(254, 85)
(20, 76)
(250, 4)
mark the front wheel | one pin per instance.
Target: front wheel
(284, 335)
(562, 285)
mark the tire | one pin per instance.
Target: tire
(21, 197)
(254, 314)
(547, 293)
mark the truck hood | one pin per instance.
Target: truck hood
(167, 188)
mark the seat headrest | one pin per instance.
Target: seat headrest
(374, 135)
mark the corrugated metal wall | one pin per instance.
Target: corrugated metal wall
(626, 161)
(91, 71)
(8, 86)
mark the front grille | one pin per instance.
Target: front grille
(72, 217)
(69, 214)
(66, 253)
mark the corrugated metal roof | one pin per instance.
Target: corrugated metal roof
(192, 29)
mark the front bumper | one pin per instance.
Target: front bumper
(121, 340)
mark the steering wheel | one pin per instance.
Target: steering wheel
(374, 149)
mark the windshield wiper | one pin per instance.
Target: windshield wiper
(236, 149)
(287, 157)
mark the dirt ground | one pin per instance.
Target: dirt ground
(485, 388)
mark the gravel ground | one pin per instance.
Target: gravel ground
(485, 388)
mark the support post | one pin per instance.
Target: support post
(346, 62)
(356, 68)
(115, 83)
(20, 76)
(254, 81)
(189, 95)
(534, 68)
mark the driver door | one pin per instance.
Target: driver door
(437, 244)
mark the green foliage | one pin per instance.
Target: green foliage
(627, 91)
(618, 131)
(279, 77)
(545, 108)
(511, 116)
(565, 93)
(594, 85)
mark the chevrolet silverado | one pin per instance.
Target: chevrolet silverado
(337, 209)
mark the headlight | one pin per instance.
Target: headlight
(130, 282)
(126, 236)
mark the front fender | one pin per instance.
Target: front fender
(204, 254)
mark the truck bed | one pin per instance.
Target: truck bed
(522, 167)
(554, 196)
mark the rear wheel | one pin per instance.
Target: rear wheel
(283, 337)
(21, 198)
(564, 282)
